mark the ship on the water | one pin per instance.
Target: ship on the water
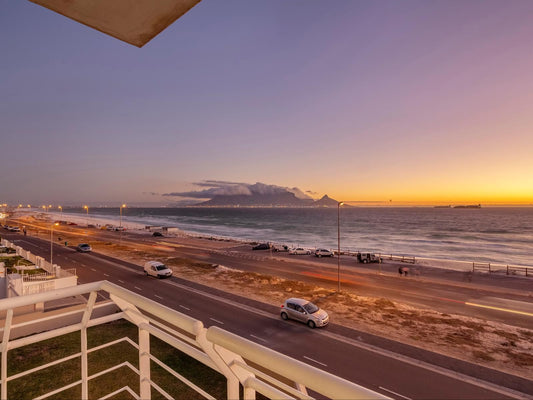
(469, 206)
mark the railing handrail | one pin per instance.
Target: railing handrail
(220, 350)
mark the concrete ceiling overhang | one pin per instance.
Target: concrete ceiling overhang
(133, 21)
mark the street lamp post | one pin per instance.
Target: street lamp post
(120, 236)
(87, 208)
(339, 204)
(61, 211)
(121, 207)
(52, 242)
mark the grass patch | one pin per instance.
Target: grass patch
(10, 262)
(41, 382)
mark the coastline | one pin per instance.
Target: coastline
(467, 338)
(140, 228)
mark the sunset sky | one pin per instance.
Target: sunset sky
(409, 101)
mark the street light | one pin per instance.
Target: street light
(61, 210)
(339, 204)
(121, 207)
(87, 208)
(52, 242)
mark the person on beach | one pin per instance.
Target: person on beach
(403, 271)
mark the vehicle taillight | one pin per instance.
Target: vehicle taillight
(282, 306)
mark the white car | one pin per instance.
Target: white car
(299, 251)
(157, 269)
(304, 311)
(279, 247)
(323, 253)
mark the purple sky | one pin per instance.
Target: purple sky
(418, 101)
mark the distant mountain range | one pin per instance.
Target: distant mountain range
(282, 199)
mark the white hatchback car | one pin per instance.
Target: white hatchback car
(157, 269)
(299, 251)
(304, 311)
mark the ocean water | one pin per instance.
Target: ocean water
(498, 235)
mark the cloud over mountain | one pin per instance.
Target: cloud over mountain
(223, 188)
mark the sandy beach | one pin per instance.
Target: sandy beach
(493, 344)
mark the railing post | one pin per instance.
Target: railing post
(222, 358)
(84, 362)
(144, 345)
(144, 363)
(5, 341)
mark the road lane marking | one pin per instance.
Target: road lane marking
(159, 297)
(106, 274)
(217, 321)
(92, 269)
(315, 361)
(500, 309)
(258, 338)
(185, 308)
(138, 288)
(394, 393)
(121, 281)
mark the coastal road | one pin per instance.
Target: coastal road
(497, 298)
(396, 376)
(490, 296)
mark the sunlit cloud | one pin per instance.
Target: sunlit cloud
(225, 188)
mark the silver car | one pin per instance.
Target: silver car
(83, 248)
(304, 311)
(323, 253)
(299, 251)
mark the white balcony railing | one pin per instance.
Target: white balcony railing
(242, 363)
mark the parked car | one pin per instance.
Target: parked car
(83, 248)
(299, 251)
(368, 258)
(280, 247)
(119, 228)
(157, 269)
(157, 234)
(304, 311)
(15, 229)
(323, 253)
(261, 246)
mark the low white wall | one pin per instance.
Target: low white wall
(16, 286)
